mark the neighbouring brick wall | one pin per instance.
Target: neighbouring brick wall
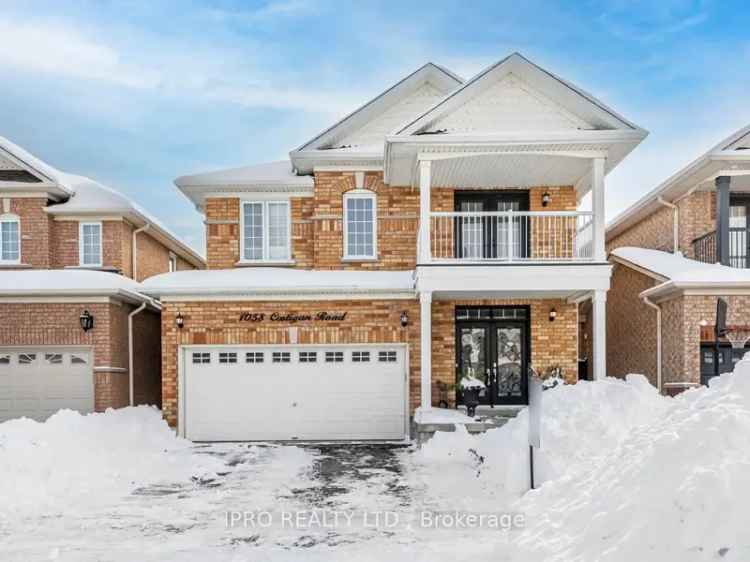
(672, 341)
(631, 325)
(222, 232)
(697, 217)
(552, 343)
(697, 309)
(42, 324)
(654, 232)
(34, 227)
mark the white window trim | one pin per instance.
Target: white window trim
(80, 243)
(266, 225)
(361, 194)
(9, 217)
(172, 262)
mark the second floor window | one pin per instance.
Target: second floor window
(10, 239)
(265, 231)
(360, 225)
(90, 244)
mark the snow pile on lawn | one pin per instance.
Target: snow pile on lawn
(81, 460)
(626, 474)
(581, 423)
(676, 488)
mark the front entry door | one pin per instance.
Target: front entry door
(494, 350)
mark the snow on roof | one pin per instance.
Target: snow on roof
(678, 271)
(86, 196)
(70, 282)
(277, 173)
(277, 280)
(716, 161)
(36, 165)
(91, 197)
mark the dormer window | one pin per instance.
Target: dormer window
(10, 239)
(360, 225)
(265, 231)
(90, 244)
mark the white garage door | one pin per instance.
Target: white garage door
(37, 382)
(249, 393)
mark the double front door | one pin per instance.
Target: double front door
(495, 351)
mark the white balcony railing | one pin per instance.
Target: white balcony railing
(511, 236)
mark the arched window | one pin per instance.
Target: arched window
(360, 225)
(10, 238)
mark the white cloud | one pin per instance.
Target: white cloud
(59, 50)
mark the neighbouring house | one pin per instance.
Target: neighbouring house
(76, 330)
(661, 309)
(432, 235)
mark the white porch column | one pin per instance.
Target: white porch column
(425, 323)
(599, 332)
(597, 206)
(424, 211)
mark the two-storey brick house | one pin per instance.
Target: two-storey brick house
(76, 331)
(675, 252)
(434, 234)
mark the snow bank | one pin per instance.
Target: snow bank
(626, 474)
(676, 488)
(81, 460)
(580, 423)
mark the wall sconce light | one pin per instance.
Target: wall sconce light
(552, 315)
(179, 320)
(86, 320)
(404, 319)
(546, 198)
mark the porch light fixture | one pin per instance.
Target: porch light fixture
(404, 319)
(552, 314)
(86, 320)
(546, 198)
(179, 320)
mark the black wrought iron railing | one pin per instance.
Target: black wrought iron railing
(704, 248)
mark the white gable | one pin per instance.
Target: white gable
(8, 164)
(373, 132)
(509, 104)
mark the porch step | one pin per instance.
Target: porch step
(486, 418)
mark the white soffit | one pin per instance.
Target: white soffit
(728, 157)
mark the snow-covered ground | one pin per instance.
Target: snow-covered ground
(627, 475)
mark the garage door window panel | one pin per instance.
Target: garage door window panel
(254, 357)
(228, 358)
(308, 357)
(26, 358)
(334, 356)
(360, 356)
(387, 356)
(53, 358)
(79, 359)
(4, 359)
(266, 227)
(282, 357)
(201, 358)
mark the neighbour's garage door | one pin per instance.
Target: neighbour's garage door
(290, 392)
(37, 382)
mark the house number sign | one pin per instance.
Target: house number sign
(292, 318)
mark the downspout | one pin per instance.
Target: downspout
(675, 223)
(144, 228)
(657, 308)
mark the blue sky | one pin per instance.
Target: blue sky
(136, 93)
